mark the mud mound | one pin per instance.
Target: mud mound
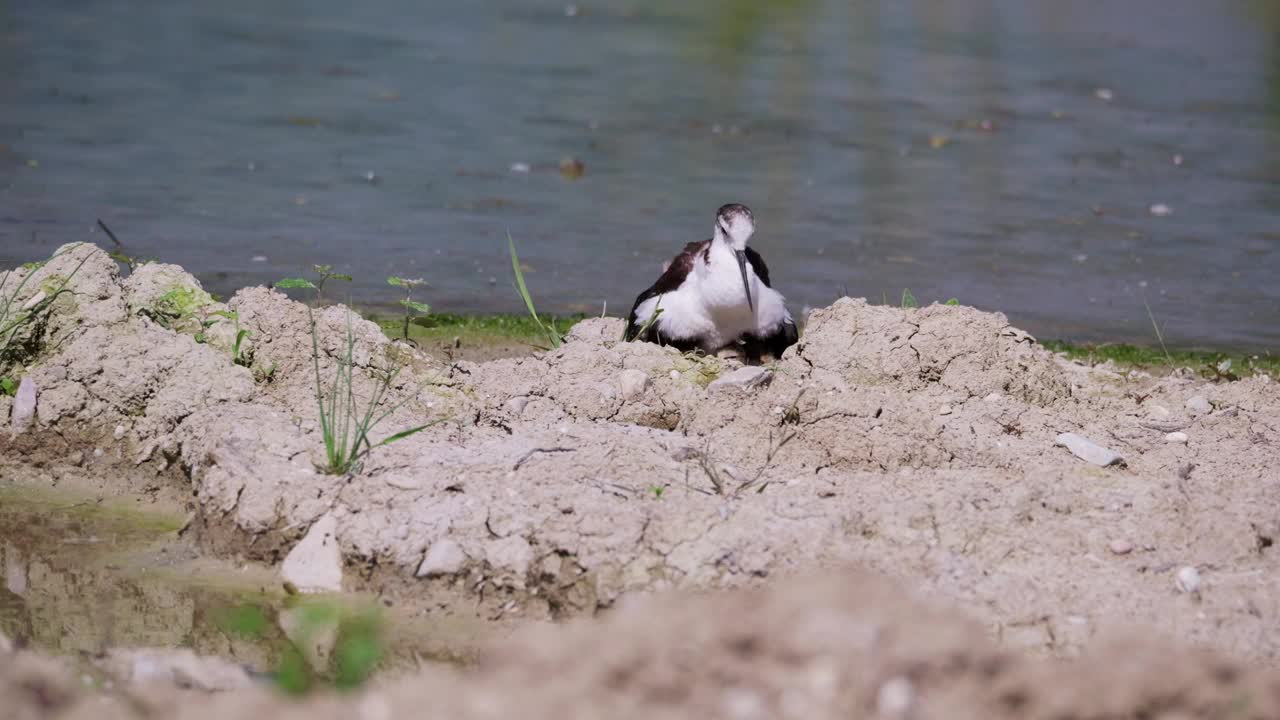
(923, 443)
(958, 348)
(849, 645)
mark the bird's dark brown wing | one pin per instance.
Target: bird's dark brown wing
(671, 279)
(757, 264)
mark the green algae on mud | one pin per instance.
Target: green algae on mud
(490, 336)
(1206, 363)
(84, 574)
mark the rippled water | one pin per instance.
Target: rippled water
(1003, 152)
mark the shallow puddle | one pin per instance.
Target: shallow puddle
(82, 576)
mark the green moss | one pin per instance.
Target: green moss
(1207, 363)
(181, 301)
(444, 327)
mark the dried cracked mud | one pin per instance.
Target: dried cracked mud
(910, 457)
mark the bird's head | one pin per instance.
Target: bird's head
(734, 225)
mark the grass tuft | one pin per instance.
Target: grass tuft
(548, 330)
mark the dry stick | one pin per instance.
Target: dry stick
(110, 234)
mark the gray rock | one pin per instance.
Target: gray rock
(24, 405)
(1199, 404)
(1089, 451)
(315, 564)
(633, 383)
(444, 557)
(744, 378)
(516, 405)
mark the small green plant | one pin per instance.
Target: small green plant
(240, 354)
(952, 302)
(326, 274)
(1156, 326)
(344, 425)
(657, 491)
(408, 303)
(554, 338)
(908, 300)
(21, 321)
(8, 386)
(358, 647)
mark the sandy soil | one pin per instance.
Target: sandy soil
(920, 443)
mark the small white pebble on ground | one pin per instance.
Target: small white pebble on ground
(1187, 579)
(745, 378)
(895, 697)
(1120, 547)
(1089, 451)
(1160, 210)
(444, 557)
(993, 397)
(1176, 437)
(633, 383)
(119, 433)
(944, 410)
(24, 405)
(1198, 404)
(315, 563)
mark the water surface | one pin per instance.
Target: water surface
(1003, 152)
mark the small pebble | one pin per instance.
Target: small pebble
(944, 410)
(1176, 437)
(895, 697)
(1160, 210)
(119, 433)
(1188, 579)
(1120, 547)
(675, 374)
(1199, 404)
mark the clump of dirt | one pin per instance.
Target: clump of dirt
(845, 645)
(923, 443)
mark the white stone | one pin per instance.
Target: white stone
(1089, 451)
(1176, 437)
(34, 300)
(895, 697)
(315, 564)
(24, 405)
(119, 433)
(1198, 404)
(633, 383)
(1187, 579)
(444, 557)
(1158, 412)
(944, 410)
(993, 397)
(516, 405)
(1120, 547)
(745, 378)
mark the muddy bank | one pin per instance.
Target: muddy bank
(924, 443)
(848, 645)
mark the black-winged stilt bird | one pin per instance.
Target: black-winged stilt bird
(716, 294)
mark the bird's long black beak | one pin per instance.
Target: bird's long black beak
(746, 284)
